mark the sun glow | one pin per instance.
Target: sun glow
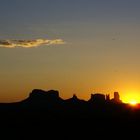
(131, 97)
(133, 102)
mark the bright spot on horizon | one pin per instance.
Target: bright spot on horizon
(133, 102)
(131, 96)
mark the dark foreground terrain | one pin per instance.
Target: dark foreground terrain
(45, 114)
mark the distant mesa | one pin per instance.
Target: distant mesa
(46, 109)
(38, 95)
(48, 105)
(97, 98)
(116, 98)
(107, 97)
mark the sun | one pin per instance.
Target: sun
(133, 102)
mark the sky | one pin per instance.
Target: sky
(73, 46)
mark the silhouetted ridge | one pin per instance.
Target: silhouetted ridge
(39, 99)
(116, 98)
(97, 98)
(73, 99)
(44, 108)
(40, 94)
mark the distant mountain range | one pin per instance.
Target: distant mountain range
(53, 106)
(45, 109)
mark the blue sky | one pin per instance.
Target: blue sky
(20, 17)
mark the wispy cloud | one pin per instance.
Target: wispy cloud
(29, 43)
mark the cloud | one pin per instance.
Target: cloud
(29, 43)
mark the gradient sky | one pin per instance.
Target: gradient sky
(100, 54)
